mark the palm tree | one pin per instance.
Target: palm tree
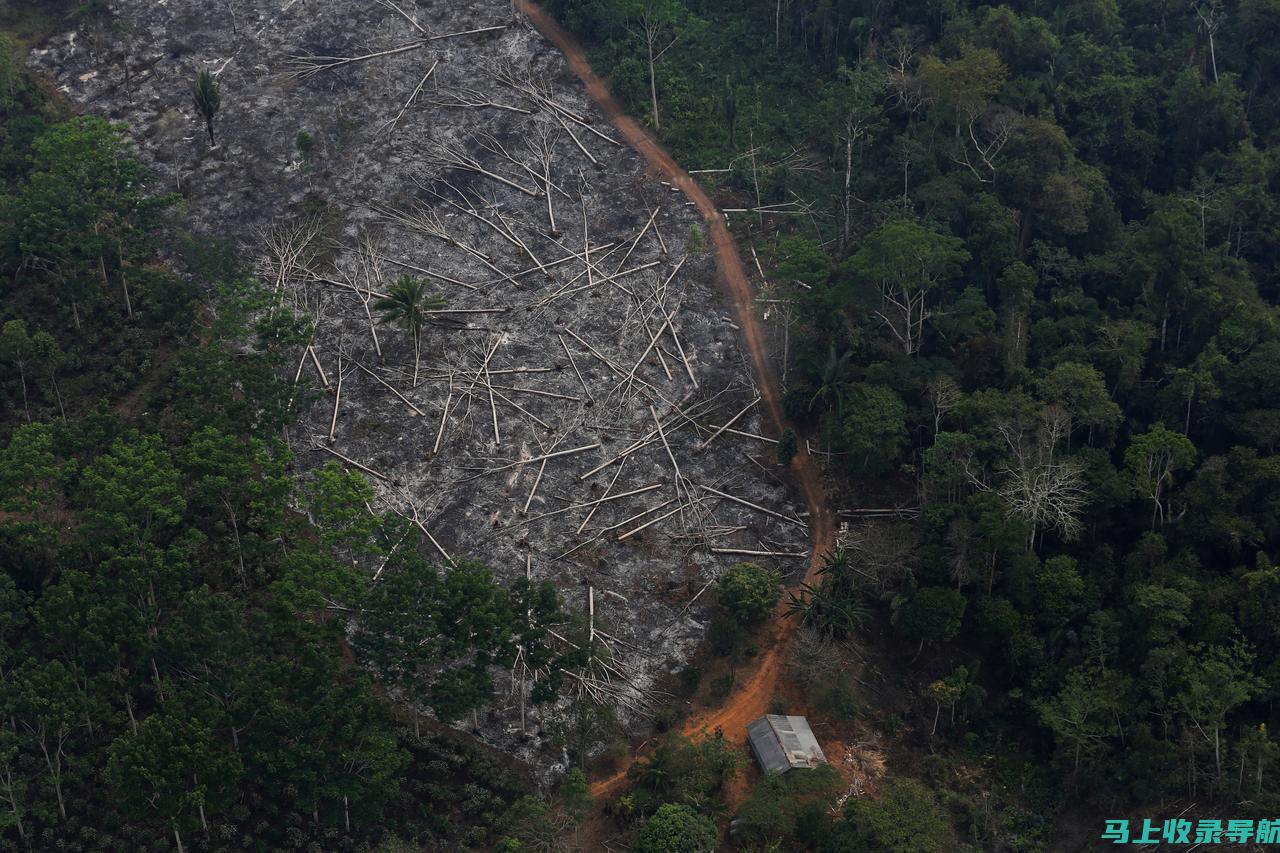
(834, 373)
(834, 607)
(207, 98)
(407, 303)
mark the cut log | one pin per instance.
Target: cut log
(733, 420)
(756, 507)
(384, 384)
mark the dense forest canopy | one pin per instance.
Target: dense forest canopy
(1033, 251)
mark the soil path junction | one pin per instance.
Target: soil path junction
(754, 686)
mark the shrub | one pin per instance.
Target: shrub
(676, 829)
(306, 143)
(787, 447)
(934, 613)
(907, 819)
(836, 699)
(748, 591)
(725, 635)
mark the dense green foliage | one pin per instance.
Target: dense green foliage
(906, 819)
(1036, 275)
(683, 772)
(748, 591)
(175, 666)
(676, 829)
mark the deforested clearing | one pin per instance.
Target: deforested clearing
(578, 407)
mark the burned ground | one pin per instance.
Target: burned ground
(566, 418)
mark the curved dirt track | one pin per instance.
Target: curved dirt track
(755, 686)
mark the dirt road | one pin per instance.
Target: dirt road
(755, 686)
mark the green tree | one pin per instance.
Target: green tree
(948, 691)
(207, 96)
(874, 429)
(1211, 682)
(690, 772)
(172, 767)
(49, 357)
(748, 591)
(575, 793)
(17, 349)
(12, 78)
(834, 606)
(946, 465)
(803, 260)
(1017, 286)
(1083, 715)
(337, 501)
(242, 483)
(964, 85)
(790, 807)
(84, 203)
(934, 613)
(1060, 592)
(51, 708)
(1081, 390)
(903, 262)
(408, 303)
(437, 636)
(906, 819)
(133, 491)
(1153, 459)
(676, 829)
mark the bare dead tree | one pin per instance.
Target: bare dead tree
(885, 552)
(657, 31)
(474, 99)
(291, 249)
(989, 132)
(1038, 486)
(944, 394)
(1210, 14)
(900, 58)
(903, 309)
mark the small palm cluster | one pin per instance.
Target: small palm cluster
(834, 607)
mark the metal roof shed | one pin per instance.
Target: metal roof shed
(782, 744)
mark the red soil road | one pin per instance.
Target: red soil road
(754, 686)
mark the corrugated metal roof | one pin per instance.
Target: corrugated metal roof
(782, 743)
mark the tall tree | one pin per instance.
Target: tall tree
(1084, 712)
(904, 262)
(1212, 681)
(84, 203)
(1153, 459)
(133, 492)
(435, 635)
(656, 21)
(172, 767)
(17, 348)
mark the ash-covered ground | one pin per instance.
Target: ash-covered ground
(565, 417)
